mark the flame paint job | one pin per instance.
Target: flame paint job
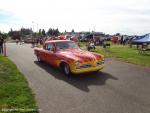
(74, 57)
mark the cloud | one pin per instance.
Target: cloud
(110, 16)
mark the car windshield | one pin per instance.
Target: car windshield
(66, 45)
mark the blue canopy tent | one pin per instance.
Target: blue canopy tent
(142, 39)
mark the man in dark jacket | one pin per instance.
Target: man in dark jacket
(1, 45)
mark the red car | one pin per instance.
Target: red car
(67, 55)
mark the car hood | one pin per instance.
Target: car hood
(78, 54)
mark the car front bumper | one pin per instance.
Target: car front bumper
(85, 70)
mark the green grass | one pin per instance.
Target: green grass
(124, 53)
(14, 90)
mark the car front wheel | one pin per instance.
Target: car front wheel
(66, 69)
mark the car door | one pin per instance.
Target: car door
(50, 54)
(43, 52)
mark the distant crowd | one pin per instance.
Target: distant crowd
(91, 43)
(41, 41)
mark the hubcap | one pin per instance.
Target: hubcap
(66, 69)
(38, 58)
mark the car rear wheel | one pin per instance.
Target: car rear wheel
(39, 58)
(66, 69)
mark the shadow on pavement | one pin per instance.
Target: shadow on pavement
(81, 81)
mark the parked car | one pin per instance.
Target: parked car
(28, 40)
(67, 55)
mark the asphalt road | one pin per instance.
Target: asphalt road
(119, 88)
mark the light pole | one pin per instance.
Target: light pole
(32, 28)
(33, 34)
(94, 34)
(33, 25)
(37, 28)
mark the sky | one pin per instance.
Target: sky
(131, 17)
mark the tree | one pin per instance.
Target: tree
(72, 31)
(53, 32)
(40, 33)
(25, 32)
(3, 35)
(10, 33)
(117, 34)
(49, 33)
(56, 32)
(43, 32)
(16, 35)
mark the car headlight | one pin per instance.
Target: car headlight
(103, 58)
(100, 62)
(77, 63)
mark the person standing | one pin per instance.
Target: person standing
(1, 45)
(17, 41)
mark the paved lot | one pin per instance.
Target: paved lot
(119, 88)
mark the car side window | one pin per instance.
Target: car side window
(62, 45)
(50, 47)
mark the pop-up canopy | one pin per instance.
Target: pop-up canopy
(142, 39)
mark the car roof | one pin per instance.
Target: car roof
(55, 41)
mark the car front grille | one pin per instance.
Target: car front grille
(84, 66)
(99, 63)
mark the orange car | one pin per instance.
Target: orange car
(67, 55)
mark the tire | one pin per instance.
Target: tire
(66, 69)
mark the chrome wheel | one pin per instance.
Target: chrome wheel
(66, 69)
